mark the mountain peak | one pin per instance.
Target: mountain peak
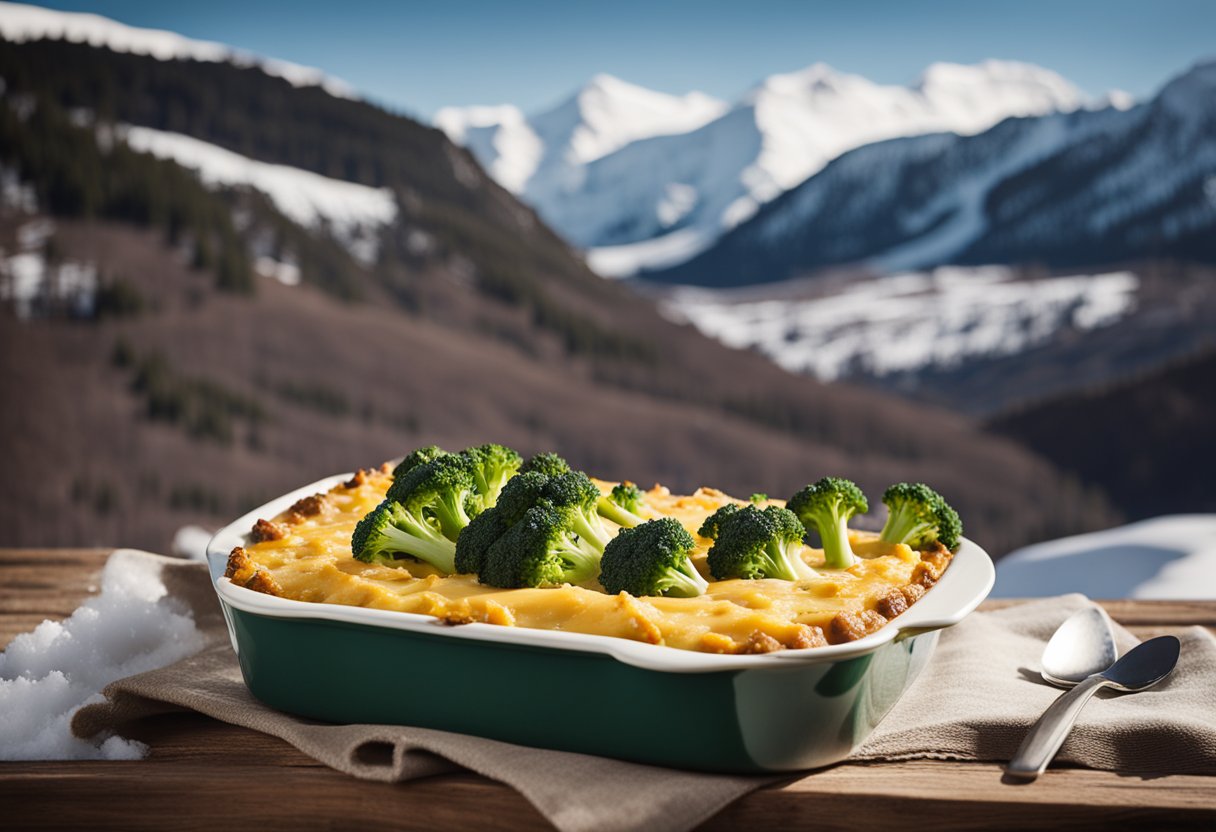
(818, 77)
(1190, 94)
(1028, 81)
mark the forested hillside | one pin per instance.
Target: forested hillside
(1149, 439)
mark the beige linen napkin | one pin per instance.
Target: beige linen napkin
(982, 691)
(975, 701)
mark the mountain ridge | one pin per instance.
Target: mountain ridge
(1085, 188)
(20, 22)
(663, 198)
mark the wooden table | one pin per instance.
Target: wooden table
(205, 774)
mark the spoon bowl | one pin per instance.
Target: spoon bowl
(1082, 646)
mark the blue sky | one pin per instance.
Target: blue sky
(417, 57)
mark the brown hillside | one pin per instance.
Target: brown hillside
(1149, 440)
(258, 395)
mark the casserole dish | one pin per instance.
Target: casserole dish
(781, 711)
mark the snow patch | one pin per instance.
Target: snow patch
(37, 287)
(353, 213)
(1166, 557)
(907, 322)
(668, 250)
(20, 23)
(47, 674)
(190, 542)
(286, 273)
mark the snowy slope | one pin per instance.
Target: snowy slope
(1167, 557)
(908, 322)
(651, 202)
(353, 213)
(1067, 189)
(546, 152)
(20, 23)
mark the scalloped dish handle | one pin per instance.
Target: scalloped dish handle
(967, 582)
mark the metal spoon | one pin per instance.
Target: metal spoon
(1142, 667)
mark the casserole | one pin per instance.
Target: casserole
(780, 711)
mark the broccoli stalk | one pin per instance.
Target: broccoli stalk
(827, 505)
(575, 490)
(389, 530)
(652, 559)
(440, 492)
(919, 516)
(540, 550)
(493, 465)
(752, 543)
(622, 505)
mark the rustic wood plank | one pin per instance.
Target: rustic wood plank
(1131, 613)
(37, 584)
(201, 773)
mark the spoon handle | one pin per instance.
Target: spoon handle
(1048, 734)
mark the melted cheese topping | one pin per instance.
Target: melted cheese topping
(313, 562)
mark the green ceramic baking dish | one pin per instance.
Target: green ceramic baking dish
(782, 711)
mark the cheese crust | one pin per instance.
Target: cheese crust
(304, 554)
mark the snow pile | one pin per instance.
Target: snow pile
(353, 213)
(1166, 557)
(907, 322)
(644, 180)
(20, 23)
(190, 542)
(46, 675)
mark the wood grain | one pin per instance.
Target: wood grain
(201, 774)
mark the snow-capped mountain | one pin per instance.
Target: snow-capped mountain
(1080, 188)
(660, 196)
(20, 23)
(546, 153)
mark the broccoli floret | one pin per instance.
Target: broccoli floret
(575, 490)
(759, 543)
(550, 464)
(652, 559)
(622, 505)
(827, 505)
(493, 465)
(475, 541)
(542, 549)
(441, 492)
(522, 492)
(572, 494)
(419, 457)
(919, 517)
(713, 522)
(758, 497)
(389, 531)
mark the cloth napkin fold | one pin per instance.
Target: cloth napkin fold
(975, 701)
